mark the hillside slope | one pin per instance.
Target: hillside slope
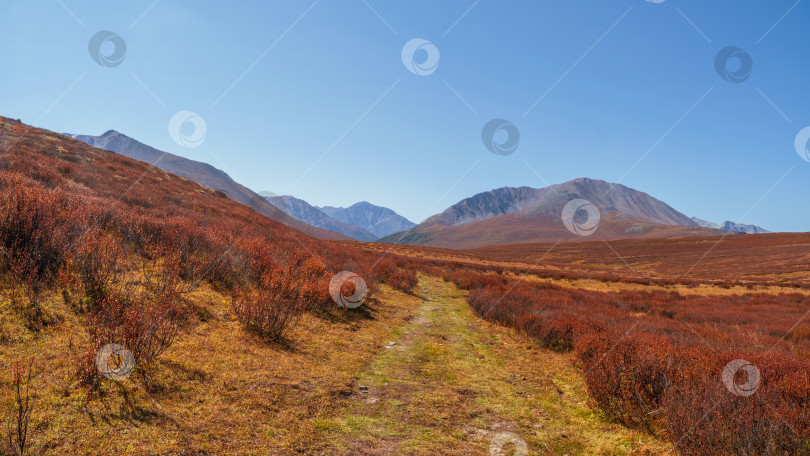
(201, 173)
(126, 190)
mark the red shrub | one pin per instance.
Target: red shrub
(467, 280)
(265, 312)
(94, 267)
(19, 419)
(555, 333)
(627, 375)
(33, 232)
(404, 280)
(144, 317)
(146, 323)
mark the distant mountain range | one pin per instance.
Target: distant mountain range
(201, 173)
(731, 226)
(311, 215)
(362, 221)
(379, 221)
(516, 215)
(501, 216)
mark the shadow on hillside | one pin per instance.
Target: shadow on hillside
(129, 410)
(342, 315)
(186, 373)
(417, 295)
(285, 344)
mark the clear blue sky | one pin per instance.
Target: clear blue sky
(618, 80)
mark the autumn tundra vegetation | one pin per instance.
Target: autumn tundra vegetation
(123, 244)
(654, 360)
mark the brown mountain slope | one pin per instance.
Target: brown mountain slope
(61, 162)
(515, 215)
(201, 173)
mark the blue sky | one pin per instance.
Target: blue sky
(313, 98)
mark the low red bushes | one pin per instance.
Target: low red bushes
(467, 280)
(34, 229)
(125, 242)
(654, 360)
(705, 418)
(266, 311)
(626, 375)
(381, 270)
(144, 318)
(19, 430)
(280, 288)
(145, 328)
(498, 303)
(553, 333)
(95, 267)
(403, 280)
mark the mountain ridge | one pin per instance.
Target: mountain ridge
(378, 220)
(311, 215)
(731, 226)
(502, 215)
(200, 172)
(524, 214)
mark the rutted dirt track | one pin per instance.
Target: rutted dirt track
(449, 383)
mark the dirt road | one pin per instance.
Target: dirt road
(449, 383)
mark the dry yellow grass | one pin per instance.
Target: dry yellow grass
(449, 384)
(698, 290)
(217, 390)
